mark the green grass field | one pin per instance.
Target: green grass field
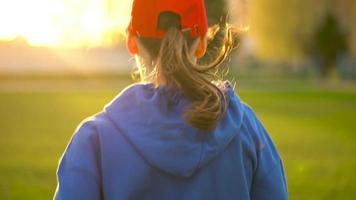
(312, 123)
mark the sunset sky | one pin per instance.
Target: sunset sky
(63, 23)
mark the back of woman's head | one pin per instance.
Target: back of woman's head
(172, 61)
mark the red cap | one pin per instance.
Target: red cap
(145, 13)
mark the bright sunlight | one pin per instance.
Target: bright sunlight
(64, 23)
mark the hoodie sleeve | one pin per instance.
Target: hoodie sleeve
(78, 172)
(269, 181)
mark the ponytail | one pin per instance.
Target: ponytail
(174, 66)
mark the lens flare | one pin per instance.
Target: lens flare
(67, 23)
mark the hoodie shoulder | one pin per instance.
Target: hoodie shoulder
(82, 149)
(78, 173)
(136, 88)
(132, 97)
(83, 142)
(269, 181)
(126, 92)
(258, 133)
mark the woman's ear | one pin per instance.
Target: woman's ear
(132, 44)
(201, 49)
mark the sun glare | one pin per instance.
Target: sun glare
(64, 23)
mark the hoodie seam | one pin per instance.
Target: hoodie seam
(201, 156)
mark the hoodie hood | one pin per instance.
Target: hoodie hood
(151, 120)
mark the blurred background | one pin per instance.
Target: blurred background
(63, 60)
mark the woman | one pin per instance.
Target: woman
(177, 134)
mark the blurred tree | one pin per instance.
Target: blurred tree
(345, 10)
(328, 43)
(216, 11)
(284, 31)
(281, 28)
(217, 15)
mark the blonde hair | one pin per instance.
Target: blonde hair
(173, 65)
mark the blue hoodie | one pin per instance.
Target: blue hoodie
(140, 147)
